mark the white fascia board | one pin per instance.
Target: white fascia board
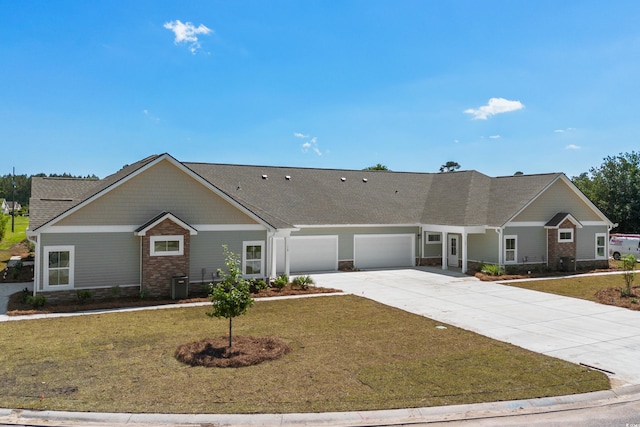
(230, 227)
(172, 218)
(595, 223)
(300, 226)
(459, 229)
(525, 224)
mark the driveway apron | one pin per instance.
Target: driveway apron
(600, 336)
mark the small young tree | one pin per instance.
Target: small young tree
(629, 265)
(232, 296)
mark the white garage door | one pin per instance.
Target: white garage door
(308, 253)
(384, 250)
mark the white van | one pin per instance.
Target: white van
(624, 245)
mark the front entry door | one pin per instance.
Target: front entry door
(452, 254)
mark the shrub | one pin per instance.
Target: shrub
(302, 282)
(115, 291)
(37, 301)
(281, 281)
(16, 270)
(257, 285)
(491, 270)
(24, 296)
(144, 293)
(84, 295)
(511, 269)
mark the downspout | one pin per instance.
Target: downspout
(140, 268)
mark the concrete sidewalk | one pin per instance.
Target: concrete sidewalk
(7, 289)
(579, 331)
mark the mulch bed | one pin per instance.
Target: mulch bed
(17, 308)
(245, 351)
(612, 296)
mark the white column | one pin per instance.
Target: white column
(445, 250)
(464, 251)
(287, 261)
(273, 246)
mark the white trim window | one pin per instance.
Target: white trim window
(58, 267)
(601, 245)
(166, 245)
(433, 238)
(510, 249)
(253, 258)
(565, 235)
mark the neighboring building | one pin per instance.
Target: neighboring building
(160, 217)
(6, 206)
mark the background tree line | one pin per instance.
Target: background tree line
(23, 185)
(614, 187)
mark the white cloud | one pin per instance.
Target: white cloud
(572, 147)
(493, 107)
(311, 144)
(187, 33)
(494, 137)
(564, 130)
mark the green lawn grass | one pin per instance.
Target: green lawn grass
(349, 353)
(18, 235)
(583, 287)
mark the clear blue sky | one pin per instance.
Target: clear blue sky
(497, 86)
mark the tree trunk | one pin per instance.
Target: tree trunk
(230, 339)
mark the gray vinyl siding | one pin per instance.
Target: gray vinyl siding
(101, 259)
(532, 243)
(483, 247)
(159, 189)
(206, 251)
(345, 236)
(557, 198)
(586, 242)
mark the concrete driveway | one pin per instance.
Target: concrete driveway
(601, 336)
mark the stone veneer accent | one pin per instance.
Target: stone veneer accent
(557, 249)
(157, 271)
(96, 294)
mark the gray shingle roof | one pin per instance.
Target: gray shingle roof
(312, 196)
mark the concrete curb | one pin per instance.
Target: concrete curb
(338, 419)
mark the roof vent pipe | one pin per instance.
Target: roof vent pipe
(265, 176)
(343, 179)
(287, 177)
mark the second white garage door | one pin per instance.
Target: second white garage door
(384, 250)
(309, 253)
